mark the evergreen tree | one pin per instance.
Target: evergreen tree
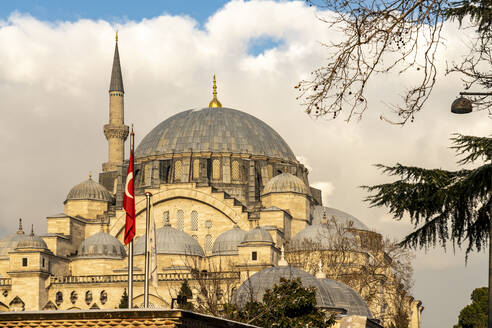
(442, 205)
(184, 294)
(475, 314)
(124, 300)
(286, 305)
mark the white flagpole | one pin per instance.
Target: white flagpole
(147, 251)
(153, 249)
(130, 246)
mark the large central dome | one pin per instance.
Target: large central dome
(216, 130)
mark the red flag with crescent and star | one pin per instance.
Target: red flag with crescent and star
(129, 203)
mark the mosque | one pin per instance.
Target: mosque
(232, 206)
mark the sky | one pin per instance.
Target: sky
(55, 65)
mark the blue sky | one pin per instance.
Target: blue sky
(122, 11)
(110, 10)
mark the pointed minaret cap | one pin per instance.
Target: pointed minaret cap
(282, 261)
(320, 274)
(215, 103)
(20, 231)
(116, 83)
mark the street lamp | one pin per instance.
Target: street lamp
(464, 105)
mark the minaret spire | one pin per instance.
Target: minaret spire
(116, 131)
(116, 83)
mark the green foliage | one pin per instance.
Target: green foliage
(442, 205)
(287, 305)
(475, 314)
(124, 300)
(184, 294)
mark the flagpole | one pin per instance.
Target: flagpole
(130, 245)
(147, 251)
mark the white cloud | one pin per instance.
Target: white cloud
(53, 89)
(326, 191)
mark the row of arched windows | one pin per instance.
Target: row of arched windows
(103, 297)
(216, 170)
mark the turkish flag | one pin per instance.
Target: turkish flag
(129, 203)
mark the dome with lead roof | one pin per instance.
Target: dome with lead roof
(323, 214)
(227, 242)
(171, 241)
(89, 190)
(285, 182)
(101, 245)
(345, 297)
(258, 234)
(258, 283)
(9, 243)
(214, 130)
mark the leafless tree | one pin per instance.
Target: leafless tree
(390, 36)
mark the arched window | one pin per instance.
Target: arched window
(236, 171)
(208, 243)
(73, 297)
(180, 223)
(104, 297)
(178, 171)
(195, 236)
(216, 169)
(59, 298)
(208, 224)
(194, 221)
(88, 297)
(196, 169)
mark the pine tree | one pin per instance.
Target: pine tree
(286, 305)
(443, 205)
(475, 315)
(124, 300)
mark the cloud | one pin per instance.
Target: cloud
(54, 79)
(326, 190)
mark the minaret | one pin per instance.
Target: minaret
(116, 131)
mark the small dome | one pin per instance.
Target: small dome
(32, 242)
(322, 213)
(227, 242)
(316, 236)
(9, 243)
(101, 244)
(258, 234)
(285, 182)
(171, 241)
(89, 190)
(258, 283)
(347, 298)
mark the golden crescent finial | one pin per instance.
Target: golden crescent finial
(215, 102)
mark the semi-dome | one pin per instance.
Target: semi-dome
(258, 283)
(214, 130)
(323, 214)
(227, 242)
(171, 241)
(347, 298)
(285, 182)
(9, 243)
(103, 245)
(258, 234)
(89, 190)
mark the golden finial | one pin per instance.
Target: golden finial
(90, 174)
(215, 102)
(116, 36)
